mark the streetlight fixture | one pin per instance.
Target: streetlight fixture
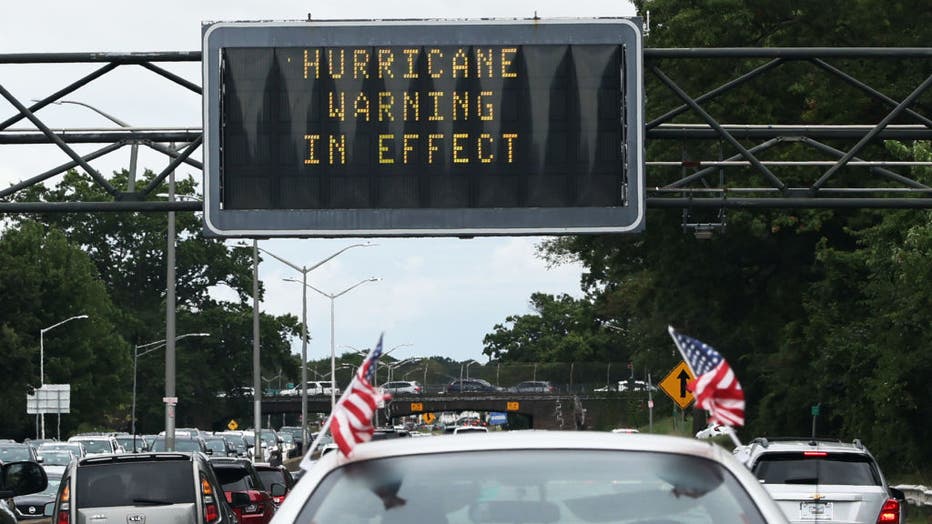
(392, 367)
(42, 358)
(332, 297)
(304, 270)
(471, 362)
(158, 344)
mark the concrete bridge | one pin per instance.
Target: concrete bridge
(543, 411)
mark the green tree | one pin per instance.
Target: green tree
(45, 279)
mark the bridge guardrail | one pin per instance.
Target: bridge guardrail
(916, 495)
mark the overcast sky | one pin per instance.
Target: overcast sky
(441, 296)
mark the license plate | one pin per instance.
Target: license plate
(815, 511)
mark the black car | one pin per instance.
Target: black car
(469, 385)
(181, 444)
(32, 506)
(18, 479)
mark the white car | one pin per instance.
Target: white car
(404, 387)
(531, 476)
(824, 480)
(98, 444)
(314, 387)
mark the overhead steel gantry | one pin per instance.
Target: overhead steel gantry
(755, 165)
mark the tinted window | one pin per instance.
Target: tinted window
(795, 468)
(532, 486)
(217, 445)
(237, 478)
(55, 458)
(134, 483)
(270, 477)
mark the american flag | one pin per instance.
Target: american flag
(351, 421)
(716, 388)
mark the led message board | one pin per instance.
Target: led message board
(423, 128)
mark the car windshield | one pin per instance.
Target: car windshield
(55, 458)
(97, 446)
(533, 486)
(15, 453)
(236, 478)
(134, 483)
(795, 468)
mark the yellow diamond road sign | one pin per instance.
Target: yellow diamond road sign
(674, 385)
(232, 425)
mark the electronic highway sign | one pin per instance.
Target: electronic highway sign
(423, 128)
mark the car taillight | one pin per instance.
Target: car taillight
(890, 512)
(64, 506)
(211, 512)
(815, 454)
(278, 500)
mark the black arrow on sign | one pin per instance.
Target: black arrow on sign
(683, 377)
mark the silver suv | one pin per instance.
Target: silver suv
(164, 488)
(823, 481)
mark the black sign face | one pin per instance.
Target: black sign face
(439, 130)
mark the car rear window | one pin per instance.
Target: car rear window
(849, 469)
(532, 486)
(236, 478)
(270, 476)
(15, 454)
(134, 484)
(97, 446)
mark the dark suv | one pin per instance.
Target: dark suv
(142, 487)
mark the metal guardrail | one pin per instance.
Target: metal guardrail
(916, 495)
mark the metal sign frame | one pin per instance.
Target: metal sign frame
(427, 222)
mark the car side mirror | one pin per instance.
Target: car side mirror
(239, 499)
(278, 490)
(23, 478)
(209, 451)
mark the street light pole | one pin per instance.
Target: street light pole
(256, 377)
(42, 357)
(136, 354)
(170, 399)
(333, 355)
(304, 270)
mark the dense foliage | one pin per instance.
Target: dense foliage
(828, 307)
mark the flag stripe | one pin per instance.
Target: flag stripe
(716, 387)
(351, 420)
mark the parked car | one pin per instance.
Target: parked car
(404, 387)
(470, 385)
(534, 386)
(237, 440)
(820, 480)
(240, 478)
(272, 475)
(538, 478)
(32, 507)
(17, 479)
(142, 488)
(635, 385)
(98, 444)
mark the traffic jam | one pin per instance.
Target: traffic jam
(354, 472)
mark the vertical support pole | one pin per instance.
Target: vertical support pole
(333, 363)
(133, 421)
(305, 434)
(256, 376)
(650, 406)
(41, 377)
(170, 323)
